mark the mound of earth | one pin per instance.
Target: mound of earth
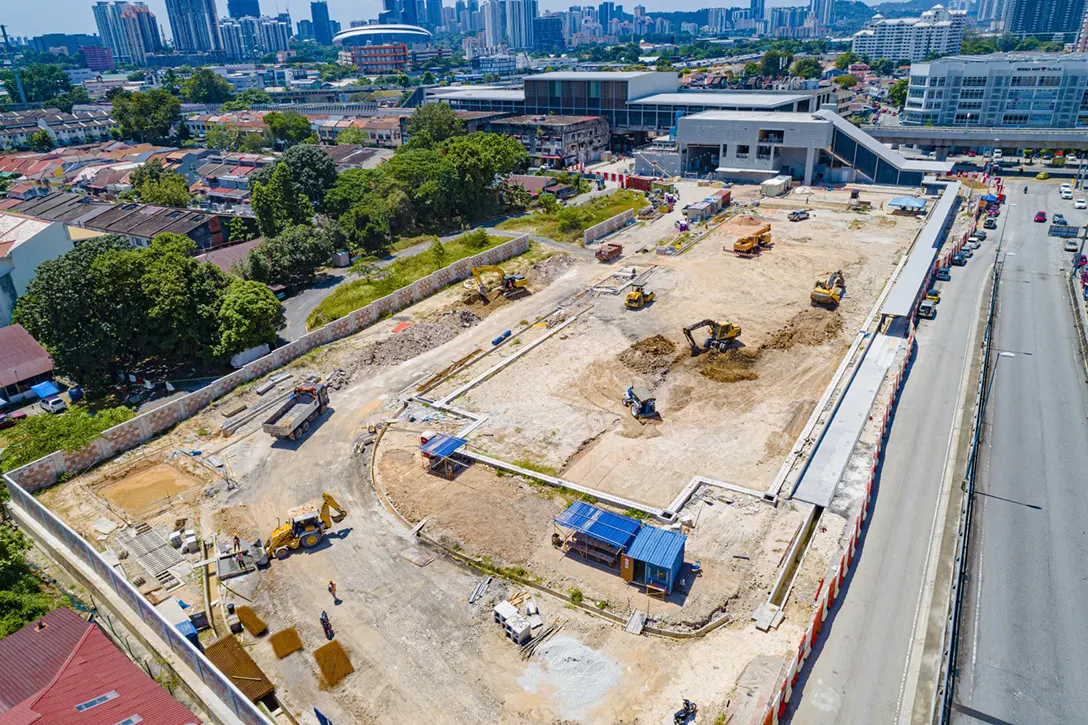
(814, 326)
(650, 356)
(731, 366)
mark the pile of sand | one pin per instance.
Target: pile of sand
(814, 326)
(731, 366)
(650, 356)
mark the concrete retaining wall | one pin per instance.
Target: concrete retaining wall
(608, 226)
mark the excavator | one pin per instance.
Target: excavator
(721, 335)
(754, 243)
(306, 529)
(638, 297)
(513, 285)
(830, 291)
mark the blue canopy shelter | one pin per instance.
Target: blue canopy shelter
(437, 451)
(595, 533)
(908, 202)
(45, 390)
(990, 198)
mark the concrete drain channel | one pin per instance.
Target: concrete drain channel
(770, 613)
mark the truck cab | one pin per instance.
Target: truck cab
(927, 310)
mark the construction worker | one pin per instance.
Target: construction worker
(332, 590)
(237, 543)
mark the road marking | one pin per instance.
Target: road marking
(912, 666)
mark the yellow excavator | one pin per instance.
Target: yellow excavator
(638, 297)
(830, 291)
(306, 529)
(722, 334)
(754, 243)
(512, 285)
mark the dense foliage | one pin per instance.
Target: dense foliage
(21, 598)
(148, 117)
(40, 435)
(278, 204)
(154, 184)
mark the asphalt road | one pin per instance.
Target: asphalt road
(861, 661)
(1021, 649)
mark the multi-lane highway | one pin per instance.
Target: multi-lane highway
(1021, 654)
(865, 659)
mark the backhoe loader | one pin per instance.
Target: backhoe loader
(830, 291)
(306, 529)
(721, 335)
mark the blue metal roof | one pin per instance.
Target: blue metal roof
(602, 525)
(657, 546)
(909, 202)
(442, 445)
(45, 390)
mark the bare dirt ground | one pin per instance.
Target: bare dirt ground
(414, 642)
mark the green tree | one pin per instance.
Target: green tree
(253, 143)
(775, 63)
(138, 75)
(246, 100)
(437, 119)
(288, 128)
(750, 69)
(845, 60)
(350, 187)
(312, 170)
(205, 86)
(291, 257)
(897, 94)
(437, 253)
(846, 81)
(40, 82)
(427, 79)
(249, 315)
(147, 117)
(479, 159)
(242, 229)
(170, 190)
(66, 101)
(21, 600)
(40, 140)
(364, 227)
(807, 68)
(476, 240)
(548, 202)
(170, 82)
(353, 136)
(223, 138)
(279, 204)
(59, 310)
(429, 180)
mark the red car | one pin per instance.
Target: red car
(7, 420)
(1040, 216)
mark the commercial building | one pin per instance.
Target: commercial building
(24, 244)
(319, 11)
(1053, 17)
(409, 35)
(382, 58)
(519, 23)
(494, 12)
(98, 58)
(938, 31)
(70, 43)
(557, 141)
(63, 669)
(548, 34)
(129, 30)
(500, 65)
(194, 25)
(807, 147)
(23, 363)
(1000, 90)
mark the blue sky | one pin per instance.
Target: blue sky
(34, 17)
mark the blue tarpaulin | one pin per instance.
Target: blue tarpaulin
(989, 198)
(908, 202)
(613, 529)
(45, 390)
(442, 445)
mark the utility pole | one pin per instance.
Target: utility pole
(14, 70)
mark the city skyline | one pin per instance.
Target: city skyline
(76, 16)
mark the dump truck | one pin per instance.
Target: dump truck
(830, 291)
(292, 419)
(306, 529)
(754, 243)
(722, 334)
(609, 251)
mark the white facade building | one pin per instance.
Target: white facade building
(519, 23)
(1004, 89)
(494, 12)
(938, 31)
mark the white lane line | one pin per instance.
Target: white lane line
(912, 665)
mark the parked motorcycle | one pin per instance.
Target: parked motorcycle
(327, 626)
(686, 713)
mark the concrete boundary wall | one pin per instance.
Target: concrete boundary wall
(608, 226)
(22, 482)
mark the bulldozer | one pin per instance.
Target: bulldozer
(306, 529)
(722, 334)
(754, 243)
(512, 285)
(638, 297)
(830, 291)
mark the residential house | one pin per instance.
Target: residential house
(24, 244)
(66, 129)
(223, 178)
(355, 156)
(64, 669)
(23, 363)
(382, 131)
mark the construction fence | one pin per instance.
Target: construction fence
(22, 482)
(608, 226)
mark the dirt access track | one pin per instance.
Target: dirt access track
(415, 643)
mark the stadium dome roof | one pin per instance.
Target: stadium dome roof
(376, 34)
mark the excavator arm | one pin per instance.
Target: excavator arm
(327, 503)
(692, 328)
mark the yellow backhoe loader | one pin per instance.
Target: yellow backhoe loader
(512, 285)
(306, 529)
(721, 335)
(830, 291)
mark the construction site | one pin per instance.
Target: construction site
(556, 491)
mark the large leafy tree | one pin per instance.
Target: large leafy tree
(41, 82)
(846, 59)
(365, 226)
(147, 117)
(291, 257)
(246, 100)
(438, 120)
(430, 182)
(353, 136)
(59, 310)
(21, 599)
(279, 204)
(249, 315)
(40, 140)
(65, 101)
(289, 127)
(154, 184)
(205, 86)
(312, 170)
(897, 94)
(480, 159)
(224, 138)
(775, 63)
(807, 68)
(349, 188)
